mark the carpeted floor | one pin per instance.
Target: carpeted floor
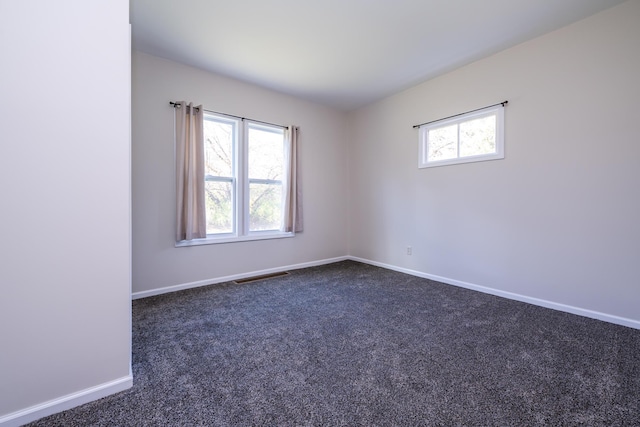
(352, 344)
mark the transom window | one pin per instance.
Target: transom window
(469, 137)
(244, 174)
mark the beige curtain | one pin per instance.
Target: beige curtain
(190, 213)
(293, 189)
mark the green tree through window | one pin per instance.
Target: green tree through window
(244, 172)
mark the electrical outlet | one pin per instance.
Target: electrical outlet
(409, 250)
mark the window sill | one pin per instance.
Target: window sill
(233, 239)
(460, 160)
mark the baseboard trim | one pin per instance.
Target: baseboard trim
(63, 403)
(213, 281)
(631, 323)
(635, 324)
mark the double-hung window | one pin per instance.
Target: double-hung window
(236, 179)
(469, 137)
(244, 178)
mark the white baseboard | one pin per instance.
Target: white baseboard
(510, 295)
(63, 403)
(213, 281)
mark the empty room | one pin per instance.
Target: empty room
(320, 213)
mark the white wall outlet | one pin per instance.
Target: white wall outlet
(409, 250)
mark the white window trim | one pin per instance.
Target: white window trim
(244, 233)
(499, 154)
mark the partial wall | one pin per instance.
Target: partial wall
(65, 304)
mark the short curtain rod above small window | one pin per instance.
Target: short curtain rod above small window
(177, 105)
(503, 103)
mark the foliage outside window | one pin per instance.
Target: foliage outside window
(244, 177)
(470, 137)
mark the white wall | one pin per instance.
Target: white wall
(157, 264)
(65, 218)
(557, 219)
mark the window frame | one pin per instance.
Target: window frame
(233, 179)
(240, 183)
(498, 111)
(246, 220)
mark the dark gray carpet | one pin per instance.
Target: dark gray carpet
(352, 344)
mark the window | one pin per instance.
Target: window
(469, 137)
(244, 178)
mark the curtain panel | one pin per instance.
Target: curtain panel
(293, 220)
(190, 206)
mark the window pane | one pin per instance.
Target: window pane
(219, 206)
(218, 148)
(478, 136)
(266, 172)
(219, 168)
(443, 143)
(266, 154)
(265, 206)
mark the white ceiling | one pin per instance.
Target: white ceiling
(343, 53)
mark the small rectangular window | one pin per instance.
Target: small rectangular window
(470, 137)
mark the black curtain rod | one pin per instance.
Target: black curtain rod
(503, 103)
(177, 105)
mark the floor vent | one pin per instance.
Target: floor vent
(261, 277)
